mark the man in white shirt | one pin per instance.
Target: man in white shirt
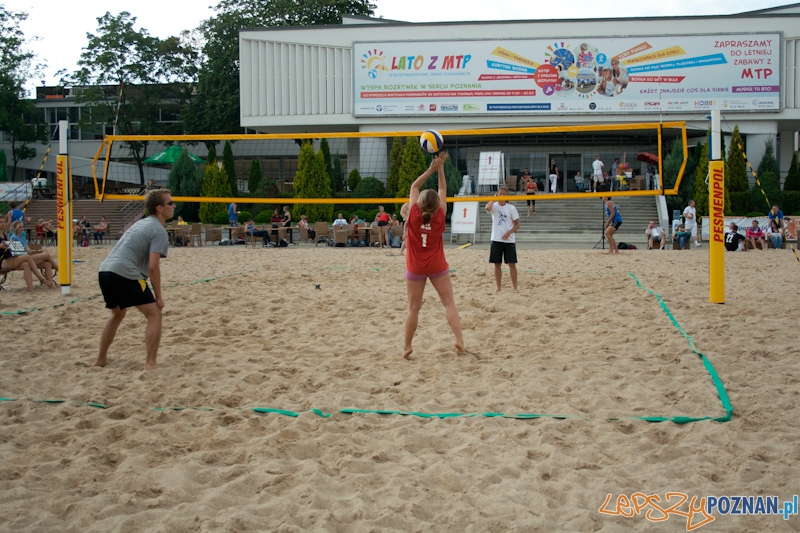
(505, 222)
(340, 221)
(690, 222)
(655, 236)
(597, 172)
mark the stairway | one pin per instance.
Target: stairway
(117, 213)
(577, 223)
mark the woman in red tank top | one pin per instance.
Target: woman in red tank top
(425, 258)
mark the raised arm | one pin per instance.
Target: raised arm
(443, 185)
(436, 164)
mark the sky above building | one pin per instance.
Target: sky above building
(57, 29)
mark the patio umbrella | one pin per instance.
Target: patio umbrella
(647, 157)
(3, 167)
(169, 155)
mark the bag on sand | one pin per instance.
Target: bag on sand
(623, 246)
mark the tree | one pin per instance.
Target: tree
(791, 188)
(792, 182)
(211, 159)
(412, 165)
(337, 174)
(700, 190)
(216, 107)
(768, 162)
(451, 174)
(21, 122)
(324, 147)
(735, 167)
(353, 179)
(766, 192)
(736, 175)
(215, 185)
(230, 167)
(395, 160)
(256, 178)
(184, 180)
(312, 181)
(672, 165)
(131, 79)
(18, 117)
(369, 187)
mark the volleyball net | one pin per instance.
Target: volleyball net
(482, 161)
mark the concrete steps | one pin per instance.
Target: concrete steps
(577, 222)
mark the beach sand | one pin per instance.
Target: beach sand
(248, 329)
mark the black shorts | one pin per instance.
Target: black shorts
(383, 223)
(531, 201)
(615, 225)
(123, 292)
(500, 250)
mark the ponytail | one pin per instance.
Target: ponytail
(428, 203)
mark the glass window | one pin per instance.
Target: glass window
(289, 169)
(271, 169)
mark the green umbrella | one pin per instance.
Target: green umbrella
(169, 155)
(3, 167)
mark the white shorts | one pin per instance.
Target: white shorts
(691, 226)
(598, 178)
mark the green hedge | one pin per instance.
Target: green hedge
(740, 202)
(221, 218)
(263, 217)
(791, 203)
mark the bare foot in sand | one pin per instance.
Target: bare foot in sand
(101, 361)
(407, 352)
(460, 347)
(150, 366)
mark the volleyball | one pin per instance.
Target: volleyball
(431, 141)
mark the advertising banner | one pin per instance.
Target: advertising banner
(581, 75)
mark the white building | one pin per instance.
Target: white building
(372, 75)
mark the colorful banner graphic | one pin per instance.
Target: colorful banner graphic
(576, 76)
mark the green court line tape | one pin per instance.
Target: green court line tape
(179, 408)
(723, 395)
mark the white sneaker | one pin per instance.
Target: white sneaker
(696, 243)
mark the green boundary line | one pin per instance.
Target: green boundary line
(723, 396)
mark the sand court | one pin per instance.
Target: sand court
(249, 328)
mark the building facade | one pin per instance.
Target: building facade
(371, 75)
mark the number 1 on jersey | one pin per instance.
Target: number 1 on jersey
(424, 240)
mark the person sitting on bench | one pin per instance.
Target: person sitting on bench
(756, 235)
